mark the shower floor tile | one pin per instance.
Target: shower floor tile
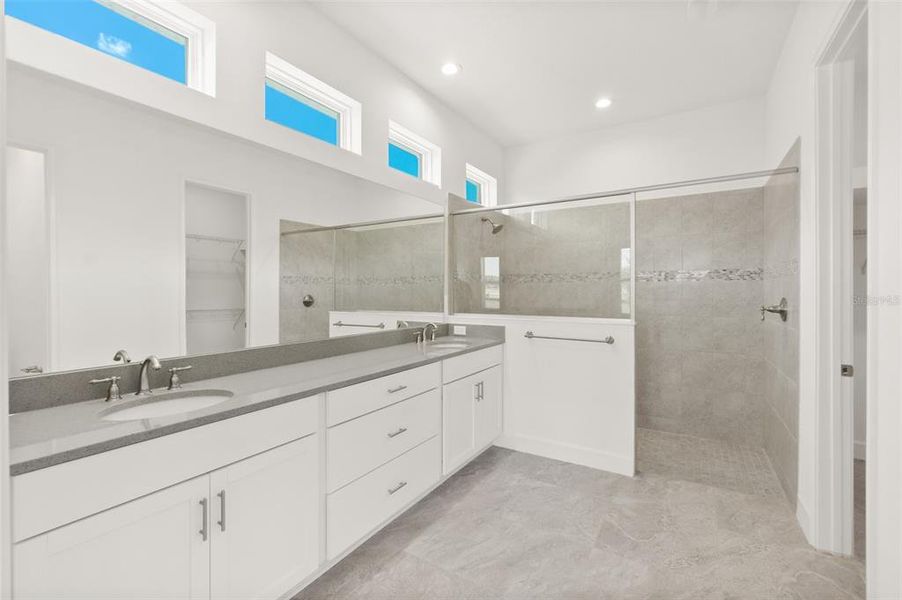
(735, 467)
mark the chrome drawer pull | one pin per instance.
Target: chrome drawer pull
(203, 528)
(222, 510)
(397, 433)
(396, 488)
(397, 389)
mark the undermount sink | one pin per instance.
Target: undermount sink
(165, 404)
(445, 346)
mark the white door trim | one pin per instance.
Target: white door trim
(832, 514)
(884, 375)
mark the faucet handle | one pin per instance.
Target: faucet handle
(113, 392)
(174, 381)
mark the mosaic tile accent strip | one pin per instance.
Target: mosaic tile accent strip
(362, 281)
(307, 279)
(395, 281)
(755, 274)
(526, 278)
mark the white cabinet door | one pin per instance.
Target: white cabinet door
(488, 406)
(264, 522)
(458, 404)
(151, 547)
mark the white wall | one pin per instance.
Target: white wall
(301, 35)
(790, 114)
(718, 140)
(117, 175)
(5, 537)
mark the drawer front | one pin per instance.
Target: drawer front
(467, 364)
(353, 401)
(47, 498)
(358, 446)
(359, 507)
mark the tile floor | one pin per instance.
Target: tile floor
(517, 526)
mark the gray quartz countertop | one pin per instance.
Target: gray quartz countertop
(50, 436)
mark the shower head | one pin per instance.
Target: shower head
(495, 228)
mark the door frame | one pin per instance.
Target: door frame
(884, 377)
(833, 310)
(51, 358)
(183, 251)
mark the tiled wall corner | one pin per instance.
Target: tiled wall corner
(781, 340)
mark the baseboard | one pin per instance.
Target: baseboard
(860, 450)
(804, 520)
(579, 455)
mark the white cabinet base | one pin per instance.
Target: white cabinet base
(265, 528)
(108, 556)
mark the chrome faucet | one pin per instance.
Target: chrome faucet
(426, 331)
(144, 386)
(122, 355)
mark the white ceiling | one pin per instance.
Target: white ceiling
(533, 70)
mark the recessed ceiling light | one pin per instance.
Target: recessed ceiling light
(602, 103)
(451, 68)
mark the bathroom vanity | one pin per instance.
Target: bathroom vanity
(256, 495)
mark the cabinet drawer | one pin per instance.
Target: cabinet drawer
(360, 445)
(359, 507)
(63, 493)
(353, 401)
(467, 364)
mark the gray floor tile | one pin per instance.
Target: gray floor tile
(516, 526)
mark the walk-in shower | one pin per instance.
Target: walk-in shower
(692, 263)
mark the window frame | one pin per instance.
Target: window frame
(430, 154)
(350, 111)
(488, 185)
(198, 31)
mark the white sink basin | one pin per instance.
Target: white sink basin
(164, 405)
(440, 347)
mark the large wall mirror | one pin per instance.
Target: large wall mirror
(131, 229)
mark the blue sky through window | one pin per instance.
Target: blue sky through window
(301, 114)
(473, 191)
(403, 160)
(117, 32)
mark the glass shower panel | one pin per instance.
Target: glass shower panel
(391, 266)
(570, 259)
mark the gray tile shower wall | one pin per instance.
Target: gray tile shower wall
(397, 267)
(305, 267)
(781, 340)
(554, 261)
(699, 284)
